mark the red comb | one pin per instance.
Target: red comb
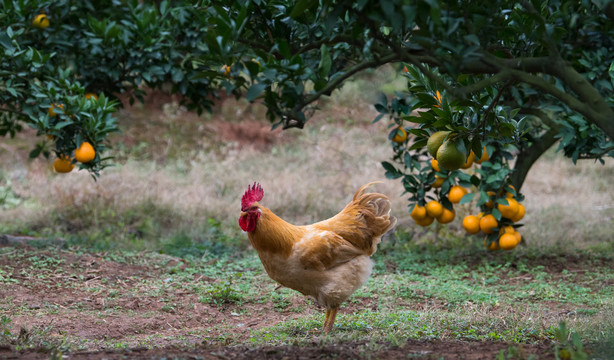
(254, 193)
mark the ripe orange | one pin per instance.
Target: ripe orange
(63, 164)
(520, 214)
(425, 222)
(438, 182)
(91, 96)
(435, 165)
(226, 70)
(507, 230)
(487, 223)
(489, 203)
(418, 213)
(456, 194)
(484, 157)
(507, 241)
(469, 161)
(471, 224)
(518, 237)
(492, 246)
(434, 208)
(54, 107)
(400, 136)
(510, 210)
(40, 21)
(446, 216)
(85, 153)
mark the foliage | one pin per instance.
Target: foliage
(117, 48)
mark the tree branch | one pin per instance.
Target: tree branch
(291, 118)
(332, 85)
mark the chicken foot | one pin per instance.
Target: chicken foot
(329, 320)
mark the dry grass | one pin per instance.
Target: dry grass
(570, 206)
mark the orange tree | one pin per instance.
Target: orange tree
(64, 63)
(511, 77)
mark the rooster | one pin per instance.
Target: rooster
(328, 260)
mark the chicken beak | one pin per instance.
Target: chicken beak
(243, 213)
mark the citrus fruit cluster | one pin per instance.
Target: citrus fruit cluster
(434, 210)
(447, 156)
(83, 154)
(511, 212)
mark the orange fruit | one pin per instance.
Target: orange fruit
(435, 165)
(400, 136)
(456, 194)
(438, 182)
(63, 164)
(510, 210)
(434, 208)
(484, 157)
(481, 215)
(469, 161)
(40, 21)
(425, 222)
(53, 107)
(507, 241)
(418, 213)
(446, 216)
(91, 96)
(85, 153)
(487, 223)
(226, 70)
(518, 237)
(471, 224)
(520, 214)
(489, 203)
(507, 230)
(492, 246)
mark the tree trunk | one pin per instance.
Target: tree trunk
(527, 157)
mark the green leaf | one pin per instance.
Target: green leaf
(301, 6)
(467, 198)
(391, 171)
(325, 61)
(254, 91)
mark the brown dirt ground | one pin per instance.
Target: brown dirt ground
(79, 289)
(411, 350)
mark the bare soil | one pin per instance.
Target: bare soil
(411, 350)
(82, 292)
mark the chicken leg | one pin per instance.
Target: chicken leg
(329, 320)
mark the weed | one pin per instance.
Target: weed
(569, 346)
(222, 293)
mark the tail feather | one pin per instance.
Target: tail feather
(364, 220)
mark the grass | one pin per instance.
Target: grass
(168, 212)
